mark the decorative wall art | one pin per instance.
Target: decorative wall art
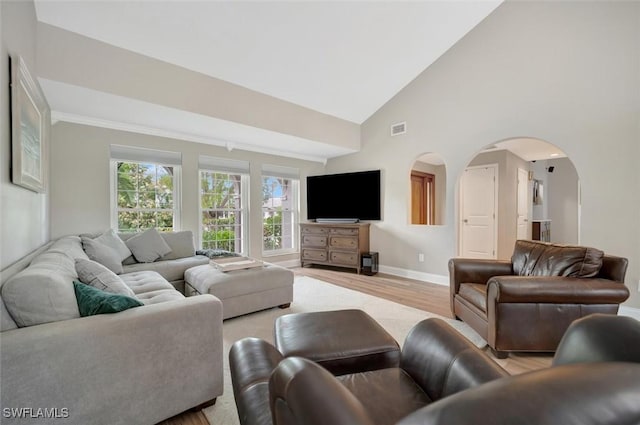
(538, 192)
(29, 129)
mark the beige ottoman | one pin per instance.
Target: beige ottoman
(242, 291)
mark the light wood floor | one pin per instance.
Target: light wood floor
(414, 293)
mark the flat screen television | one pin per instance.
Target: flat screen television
(344, 197)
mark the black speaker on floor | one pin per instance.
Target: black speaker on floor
(369, 263)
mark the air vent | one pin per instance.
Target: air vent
(398, 128)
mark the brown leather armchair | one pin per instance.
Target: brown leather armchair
(526, 304)
(594, 381)
(436, 361)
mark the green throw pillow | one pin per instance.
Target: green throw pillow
(94, 301)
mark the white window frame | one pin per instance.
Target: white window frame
(273, 172)
(244, 207)
(140, 155)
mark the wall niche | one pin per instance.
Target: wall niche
(428, 185)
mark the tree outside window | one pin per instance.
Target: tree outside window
(145, 196)
(222, 211)
(279, 213)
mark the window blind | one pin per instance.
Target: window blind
(137, 154)
(280, 171)
(212, 163)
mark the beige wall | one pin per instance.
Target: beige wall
(563, 72)
(562, 199)
(24, 215)
(80, 190)
(73, 59)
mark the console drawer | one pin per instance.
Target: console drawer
(314, 255)
(346, 258)
(343, 231)
(343, 242)
(314, 230)
(313, 240)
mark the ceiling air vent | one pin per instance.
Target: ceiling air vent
(398, 128)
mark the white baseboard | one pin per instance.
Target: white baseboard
(290, 264)
(413, 274)
(629, 311)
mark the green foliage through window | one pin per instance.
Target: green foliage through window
(222, 211)
(145, 196)
(278, 212)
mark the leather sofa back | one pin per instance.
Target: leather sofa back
(533, 258)
(579, 394)
(613, 268)
(600, 338)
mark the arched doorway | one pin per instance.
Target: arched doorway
(533, 193)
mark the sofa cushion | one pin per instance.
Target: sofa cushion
(180, 243)
(172, 270)
(95, 274)
(145, 281)
(71, 246)
(112, 240)
(474, 293)
(43, 292)
(148, 246)
(6, 321)
(150, 287)
(533, 258)
(103, 254)
(92, 301)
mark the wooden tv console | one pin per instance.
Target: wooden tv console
(334, 244)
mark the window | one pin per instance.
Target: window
(223, 204)
(145, 193)
(279, 210)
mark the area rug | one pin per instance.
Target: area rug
(314, 295)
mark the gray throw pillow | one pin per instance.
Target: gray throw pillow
(112, 240)
(148, 246)
(181, 244)
(103, 254)
(98, 276)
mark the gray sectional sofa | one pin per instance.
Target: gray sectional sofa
(140, 366)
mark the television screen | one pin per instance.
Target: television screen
(344, 196)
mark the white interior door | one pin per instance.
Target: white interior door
(478, 197)
(522, 219)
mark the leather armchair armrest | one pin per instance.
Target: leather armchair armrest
(304, 393)
(443, 362)
(251, 362)
(555, 290)
(468, 270)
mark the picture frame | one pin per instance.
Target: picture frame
(538, 192)
(30, 126)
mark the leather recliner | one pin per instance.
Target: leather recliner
(435, 362)
(601, 388)
(526, 304)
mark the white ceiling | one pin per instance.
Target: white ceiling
(342, 58)
(529, 149)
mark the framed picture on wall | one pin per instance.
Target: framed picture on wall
(30, 123)
(538, 192)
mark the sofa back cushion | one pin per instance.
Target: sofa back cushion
(43, 292)
(181, 244)
(6, 321)
(534, 258)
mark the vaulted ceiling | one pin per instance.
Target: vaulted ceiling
(342, 58)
